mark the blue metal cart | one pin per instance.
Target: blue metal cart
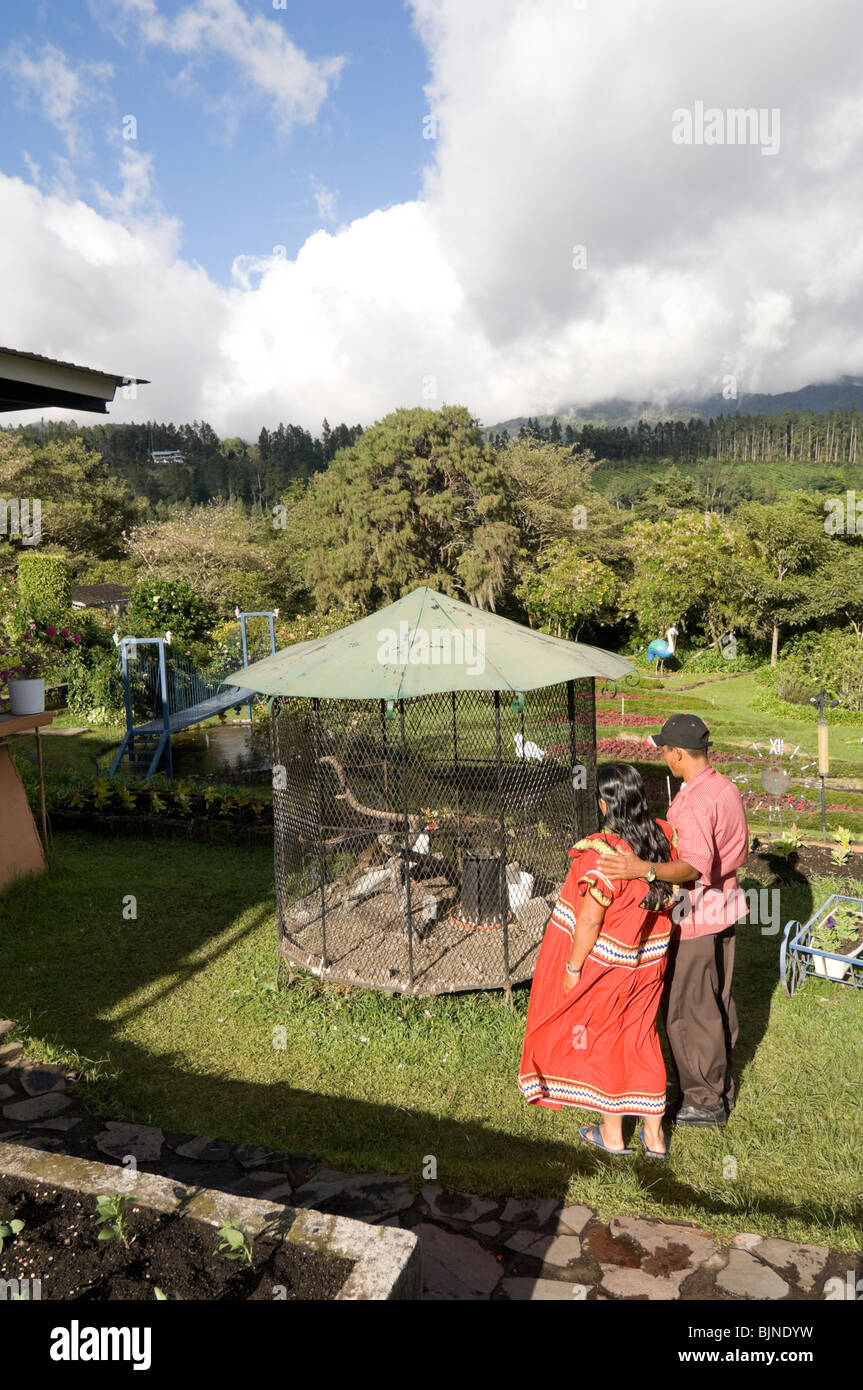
(799, 958)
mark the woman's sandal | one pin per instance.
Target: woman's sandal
(587, 1130)
(651, 1153)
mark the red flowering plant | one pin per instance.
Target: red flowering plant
(27, 657)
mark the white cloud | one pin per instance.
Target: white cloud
(554, 130)
(61, 90)
(260, 49)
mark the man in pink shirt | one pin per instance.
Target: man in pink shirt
(713, 842)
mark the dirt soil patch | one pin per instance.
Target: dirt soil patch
(804, 863)
(60, 1246)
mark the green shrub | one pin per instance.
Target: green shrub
(44, 587)
(701, 658)
(168, 605)
(94, 686)
(833, 659)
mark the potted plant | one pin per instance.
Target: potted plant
(23, 662)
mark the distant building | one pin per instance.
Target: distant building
(113, 598)
(167, 456)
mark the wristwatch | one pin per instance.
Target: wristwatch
(651, 874)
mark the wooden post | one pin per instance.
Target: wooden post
(41, 764)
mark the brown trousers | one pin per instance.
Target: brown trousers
(700, 1016)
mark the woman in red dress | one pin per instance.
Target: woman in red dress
(590, 1037)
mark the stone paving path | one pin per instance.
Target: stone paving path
(473, 1247)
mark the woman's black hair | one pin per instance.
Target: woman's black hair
(626, 815)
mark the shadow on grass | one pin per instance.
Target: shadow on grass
(41, 952)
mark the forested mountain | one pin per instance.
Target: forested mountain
(210, 467)
(834, 398)
(792, 435)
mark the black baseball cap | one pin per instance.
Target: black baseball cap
(682, 731)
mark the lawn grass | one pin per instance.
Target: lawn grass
(726, 704)
(173, 1015)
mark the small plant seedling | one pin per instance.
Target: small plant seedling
(102, 792)
(233, 1244)
(793, 837)
(781, 849)
(112, 1214)
(842, 853)
(9, 1226)
(161, 1297)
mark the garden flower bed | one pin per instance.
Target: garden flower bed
(62, 1246)
(803, 862)
(92, 1233)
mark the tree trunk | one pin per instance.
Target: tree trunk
(774, 650)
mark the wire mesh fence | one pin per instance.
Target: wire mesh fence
(420, 844)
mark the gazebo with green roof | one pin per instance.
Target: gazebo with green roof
(432, 764)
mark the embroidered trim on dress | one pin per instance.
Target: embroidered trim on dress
(534, 1087)
(608, 951)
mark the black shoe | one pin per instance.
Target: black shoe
(703, 1119)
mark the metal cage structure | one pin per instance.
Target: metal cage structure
(420, 843)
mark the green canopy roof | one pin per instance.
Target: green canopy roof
(424, 644)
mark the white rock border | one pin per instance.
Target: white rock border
(388, 1259)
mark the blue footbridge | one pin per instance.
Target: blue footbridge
(164, 692)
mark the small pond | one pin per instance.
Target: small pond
(223, 752)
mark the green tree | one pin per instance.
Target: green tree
(565, 590)
(418, 499)
(84, 507)
(788, 547)
(683, 574)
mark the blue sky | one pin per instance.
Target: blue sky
(221, 165)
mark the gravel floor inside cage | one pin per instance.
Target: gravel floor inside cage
(367, 942)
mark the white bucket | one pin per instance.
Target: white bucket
(27, 697)
(520, 892)
(835, 969)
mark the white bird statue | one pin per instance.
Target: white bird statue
(527, 750)
(659, 650)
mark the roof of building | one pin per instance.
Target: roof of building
(94, 595)
(29, 381)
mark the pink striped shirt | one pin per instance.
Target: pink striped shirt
(713, 837)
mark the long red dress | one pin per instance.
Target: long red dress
(597, 1047)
